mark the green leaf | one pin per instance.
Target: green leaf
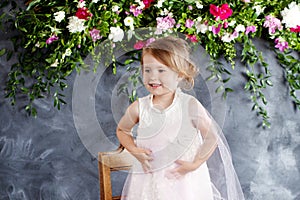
(2, 52)
(264, 100)
(269, 82)
(128, 61)
(229, 90)
(106, 15)
(33, 4)
(219, 89)
(226, 80)
(211, 77)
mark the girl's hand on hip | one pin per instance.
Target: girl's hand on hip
(182, 169)
(144, 156)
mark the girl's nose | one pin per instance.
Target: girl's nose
(152, 76)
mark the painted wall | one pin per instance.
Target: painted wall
(53, 156)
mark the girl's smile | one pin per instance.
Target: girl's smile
(154, 85)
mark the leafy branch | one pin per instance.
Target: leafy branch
(134, 78)
(257, 81)
(291, 67)
(218, 70)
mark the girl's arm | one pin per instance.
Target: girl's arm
(124, 134)
(208, 129)
(127, 122)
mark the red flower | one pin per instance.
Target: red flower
(214, 10)
(139, 45)
(296, 30)
(83, 13)
(222, 12)
(193, 38)
(147, 3)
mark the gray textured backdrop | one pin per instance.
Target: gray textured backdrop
(51, 157)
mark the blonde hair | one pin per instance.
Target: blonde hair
(175, 53)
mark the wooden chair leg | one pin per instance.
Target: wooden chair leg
(105, 182)
(110, 161)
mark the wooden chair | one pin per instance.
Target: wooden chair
(117, 160)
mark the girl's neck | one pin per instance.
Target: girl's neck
(163, 101)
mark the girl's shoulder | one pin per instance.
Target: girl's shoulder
(142, 101)
(193, 104)
(188, 98)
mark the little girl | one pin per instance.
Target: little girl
(181, 153)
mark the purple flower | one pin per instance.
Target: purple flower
(95, 34)
(272, 23)
(189, 23)
(149, 41)
(216, 30)
(281, 44)
(234, 35)
(164, 23)
(225, 25)
(136, 12)
(51, 39)
(250, 29)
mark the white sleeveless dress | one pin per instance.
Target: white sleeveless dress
(171, 136)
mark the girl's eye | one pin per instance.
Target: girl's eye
(147, 70)
(161, 70)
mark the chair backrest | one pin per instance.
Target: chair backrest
(116, 160)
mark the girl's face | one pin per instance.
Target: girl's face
(157, 77)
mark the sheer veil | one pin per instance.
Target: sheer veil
(224, 180)
(223, 176)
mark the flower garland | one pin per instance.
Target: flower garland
(57, 35)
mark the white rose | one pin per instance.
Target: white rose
(199, 5)
(226, 37)
(232, 23)
(59, 16)
(141, 4)
(240, 28)
(259, 9)
(115, 8)
(76, 24)
(128, 21)
(291, 15)
(160, 3)
(81, 4)
(116, 34)
(201, 27)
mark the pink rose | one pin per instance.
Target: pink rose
(189, 23)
